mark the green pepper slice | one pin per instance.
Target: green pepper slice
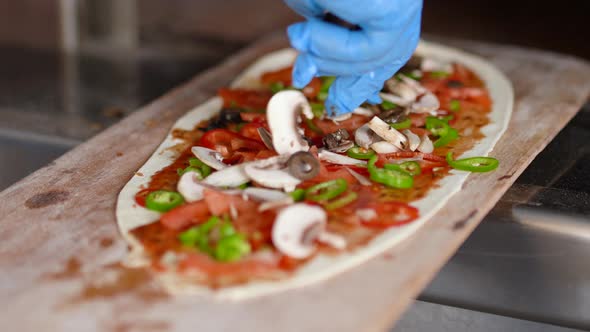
(298, 194)
(451, 135)
(326, 84)
(343, 201)
(411, 167)
(317, 109)
(277, 87)
(437, 126)
(163, 200)
(387, 105)
(473, 164)
(326, 190)
(407, 123)
(232, 248)
(455, 105)
(393, 177)
(357, 152)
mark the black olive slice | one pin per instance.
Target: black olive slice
(303, 165)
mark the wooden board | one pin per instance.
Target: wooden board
(59, 245)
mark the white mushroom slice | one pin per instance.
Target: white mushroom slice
(333, 240)
(388, 133)
(413, 140)
(384, 147)
(271, 173)
(363, 112)
(209, 157)
(426, 145)
(365, 136)
(415, 85)
(296, 228)
(360, 178)
(263, 194)
(283, 112)
(395, 99)
(232, 176)
(426, 104)
(190, 187)
(339, 159)
(430, 64)
(402, 89)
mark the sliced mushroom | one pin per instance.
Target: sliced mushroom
(271, 173)
(413, 140)
(402, 89)
(263, 194)
(338, 141)
(232, 176)
(209, 157)
(282, 112)
(363, 112)
(413, 84)
(395, 99)
(384, 147)
(426, 145)
(365, 136)
(190, 187)
(431, 64)
(266, 137)
(340, 118)
(296, 229)
(388, 133)
(427, 103)
(339, 159)
(303, 165)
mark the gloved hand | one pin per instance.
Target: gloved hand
(361, 59)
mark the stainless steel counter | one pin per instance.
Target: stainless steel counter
(512, 265)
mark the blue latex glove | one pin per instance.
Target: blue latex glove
(361, 59)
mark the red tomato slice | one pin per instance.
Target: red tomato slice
(241, 270)
(253, 117)
(329, 126)
(185, 215)
(141, 196)
(282, 75)
(226, 142)
(250, 130)
(250, 99)
(391, 214)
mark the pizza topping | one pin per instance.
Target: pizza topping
(388, 133)
(425, 145)
(233, 176)
(163, 200)
(360, 153)
(413, 140)
(297, 228)
(412, 167)
(363, 111)
(427, 103)
(209, 157)
(338, 159)
(360, 178)
(402, 124)
(266, 137)
(384, 147)
(283, 113)
(272, 173)
(473, 164)
(390, 215)
(440, 127)
(198, 167)
(436, 65)
(365, 136)
(190, 187)
(338, 141)
(392, 176)
(303, 165)
(326, 191)
(263, 194)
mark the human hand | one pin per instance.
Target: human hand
(361, 59)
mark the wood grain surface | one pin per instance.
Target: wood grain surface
(60, 248)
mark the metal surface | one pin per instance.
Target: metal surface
(524, 260)
(49, 104)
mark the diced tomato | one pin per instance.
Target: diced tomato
(250, 130)
(250, 99)
(264, 154)
(226, 142)
(220, 203)
(185, 215)
(241, 270)
(141, 196)
(282, 75)
(418, 119)
(253, 117)
(391, 214)
(329, 126)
